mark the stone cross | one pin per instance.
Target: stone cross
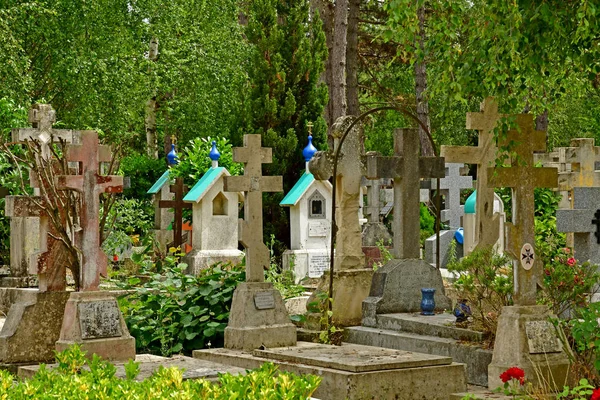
(583, 221)
(177, 204)
(253, 184)
(348, 236)
(89, 154)
(487, 225)
(406, 167)
(373, 202)
(583, 156)
(522, 177)
(451, 185)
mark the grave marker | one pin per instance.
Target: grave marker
(178, 205)
(374, 231)
(451, 186)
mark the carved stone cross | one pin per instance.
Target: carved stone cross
(523, 178)
(406, 167)
(177, 204)
(583, 156)
(373, 202)
(451, 185)
(253, 184)
(487, 226)
(89, 154)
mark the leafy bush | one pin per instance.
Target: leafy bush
(131, 216)
(175, 312)
(427, 223)
(143, 171)
(583, 336)
(79, 378)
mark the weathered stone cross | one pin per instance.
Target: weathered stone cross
(523, 178)
(583, 156)
(253, 184)
(487, 226)
(406, 167)
(177, 204)
(451, 185)
(373, 202)
(89, 154)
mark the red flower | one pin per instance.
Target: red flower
(115, 258)
(595, 395)
(514, 373)
(571, 261)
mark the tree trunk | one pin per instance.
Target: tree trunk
(352, 58)
(151, 107)
(326, 13)
(421, 87)
(541, 122)
(338, 60)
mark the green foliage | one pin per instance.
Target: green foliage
(143, 172)
(583, 332)
(175, 312)
(131, 216)
(427, 222)
(80, 378)
(579, 392)
(329, 333)
(282, 279)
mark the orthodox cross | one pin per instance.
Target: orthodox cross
(487, 226)
(253, 184)
(406, 168)
(522, 177)
(451, 185)
(90, 184)
(177, 204)
(583, 156)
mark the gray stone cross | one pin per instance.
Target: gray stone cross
(253, 184)
(451, 185)
(373, 208)
(583, 156)
(581, 221)
(406, 167)
(522, 177)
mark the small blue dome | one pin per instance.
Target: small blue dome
(214, 153)
(470, 203)
(172, 158)
(310, 150)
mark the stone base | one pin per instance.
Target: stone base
(32, 326)
(298, 261)
(198, 260)
(396, 288)
(29, 281)
(525, 338)
(375, 232)
(93, 320)
(350, 288)
(258, 318)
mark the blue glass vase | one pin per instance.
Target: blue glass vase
(427, 301)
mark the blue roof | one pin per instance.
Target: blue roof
(159, 183)
(200, 188)
(470, 203)
(298, 190)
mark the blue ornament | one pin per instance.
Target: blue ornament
(462, 311)
(172, 158)
(309, 151)
(214, 153)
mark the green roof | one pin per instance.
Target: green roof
(470, 203)
(298, 190)
(164, 178)
(200, 188)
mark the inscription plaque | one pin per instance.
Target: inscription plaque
(318, 229)
(264, 300)
(318, 263)
(542, 338)
(99, 319)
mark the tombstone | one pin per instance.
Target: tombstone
(32, 250)
(487, 224)
(163, 217)
(92, 318)
(470, 238)
(525, 336)
(351, 278)
(258, 316)
(215, 220)
(178, 205)
(309, 201)
(396, 287)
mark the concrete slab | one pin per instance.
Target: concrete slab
(439, 325)
(351, 357)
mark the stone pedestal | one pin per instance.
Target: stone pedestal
(32, 326)
(396, 288)
(306, 263)
(375, 232)
(258, 318)
(525, 338)
(24, 242)
(93, 320)
(197, 260)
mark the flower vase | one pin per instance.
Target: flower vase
(427, 301)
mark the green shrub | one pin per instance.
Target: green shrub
(131, 216)
(142, 171)
(79, 378)
(427, 223)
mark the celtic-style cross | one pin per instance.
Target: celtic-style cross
(253, 184)
(89, 154)
(523, 178)
(177, 204)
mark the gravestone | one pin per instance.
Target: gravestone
(518, 339)
(215, 220)
(351, 278)
(309, 201)
(178, 205)
(263, 322)
(163, 217)
(92, 318)
(396, 287)
(484, 155)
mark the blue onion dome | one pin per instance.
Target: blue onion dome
(214, 153)
(172, 158)
(309, 151)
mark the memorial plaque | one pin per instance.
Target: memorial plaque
(99, 319)
(318, 263)
(318, 229)
(542, 338)
(264, 300)
(527, 256)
